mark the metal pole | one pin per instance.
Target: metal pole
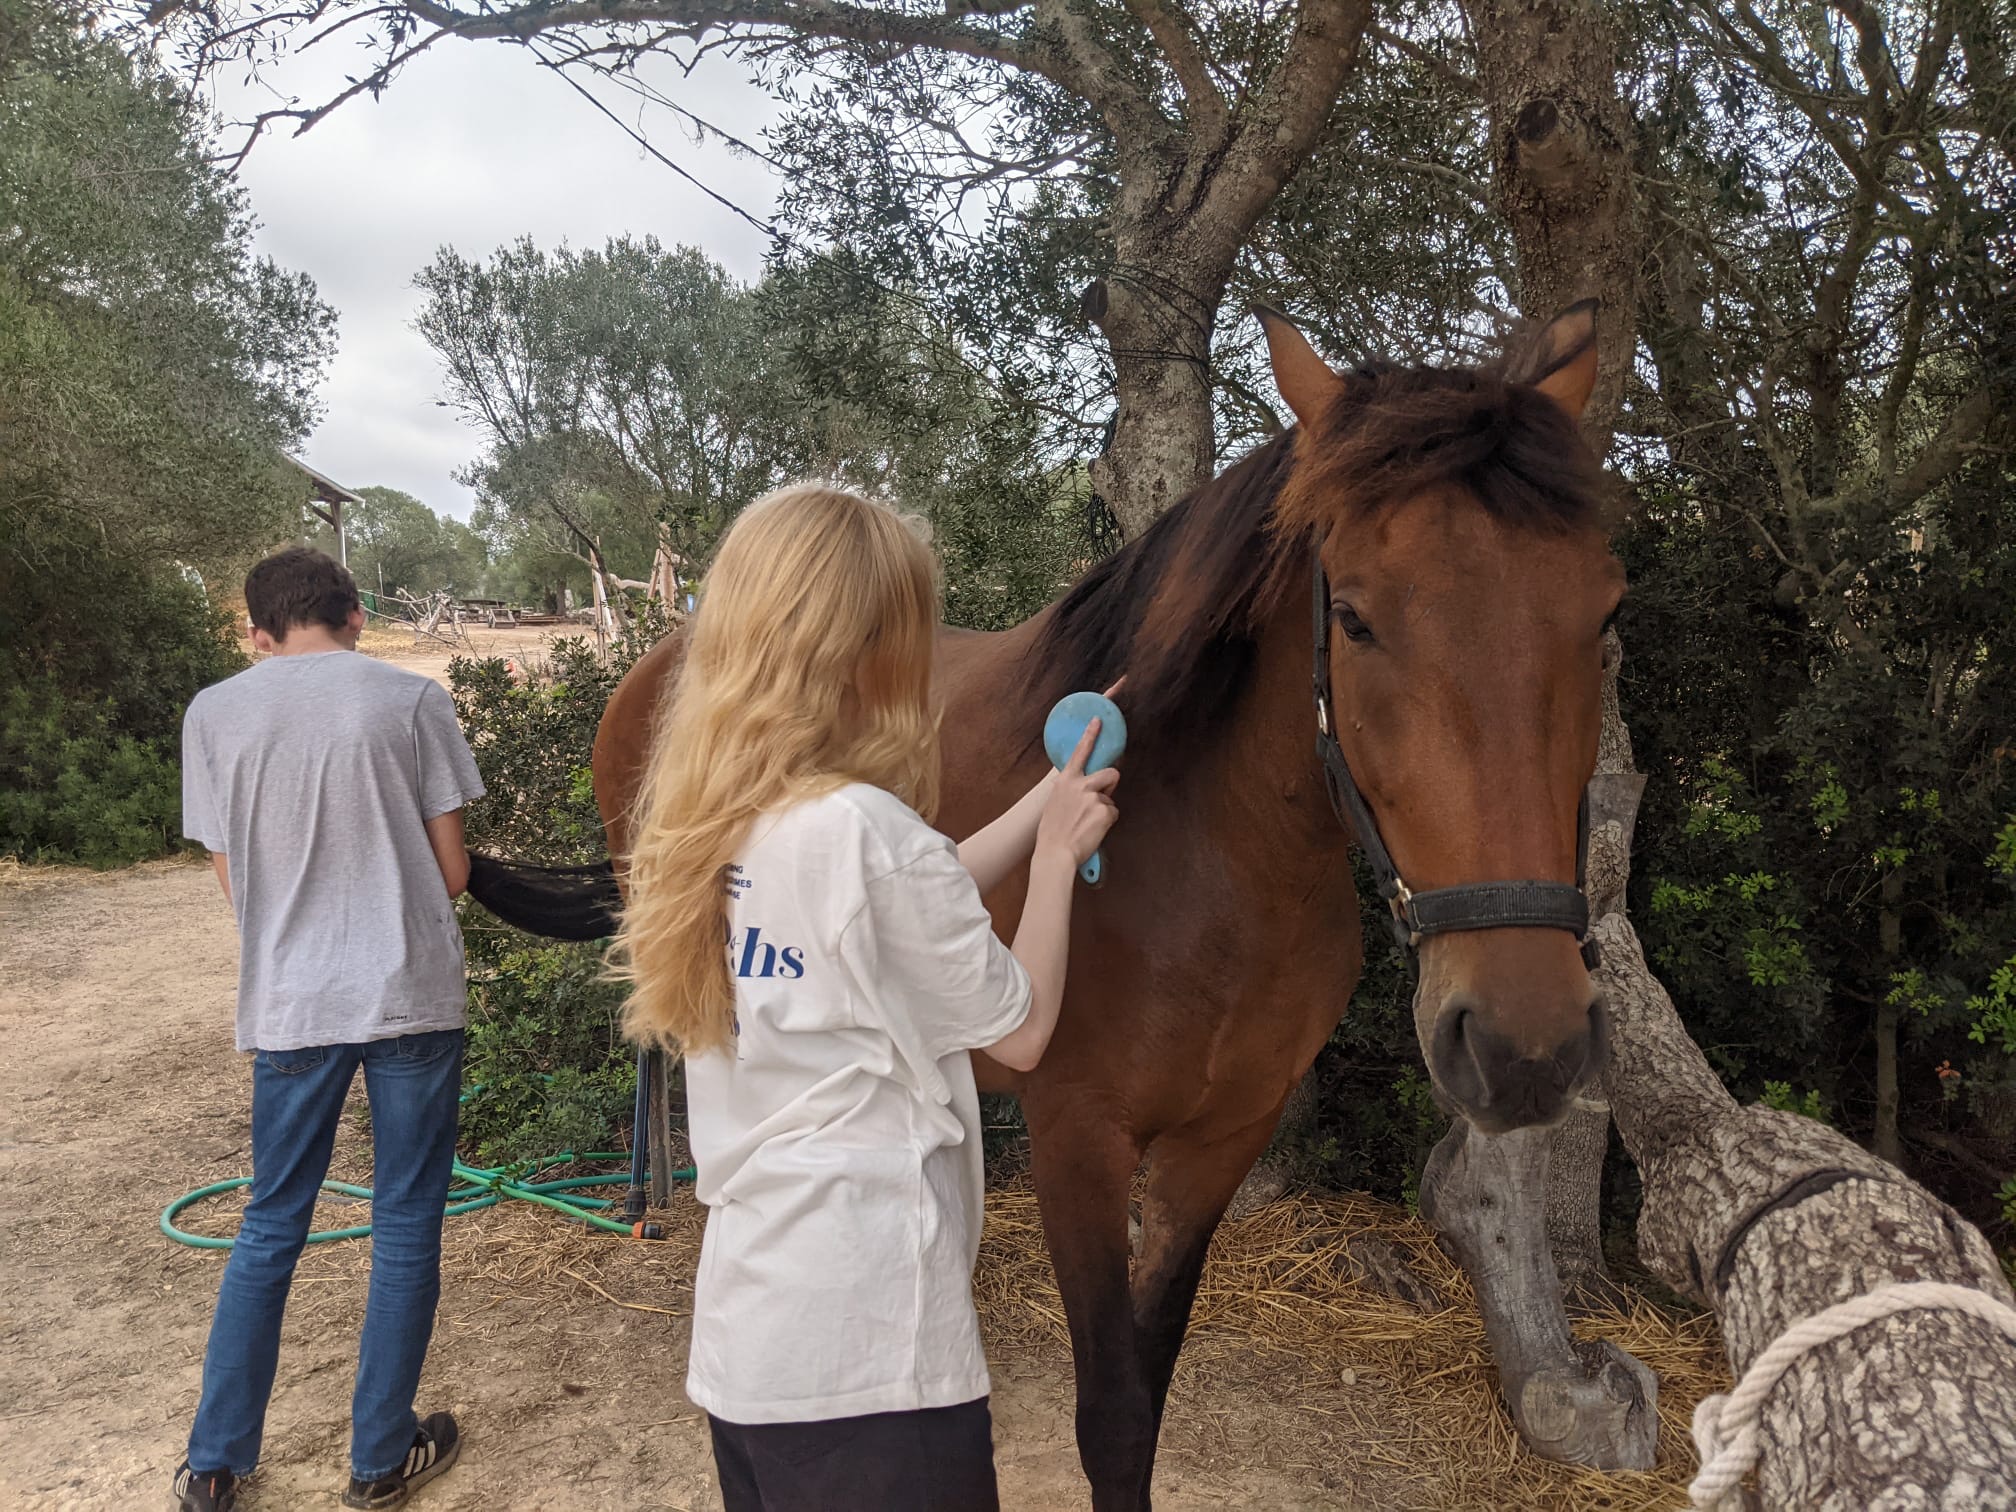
(637, 1199)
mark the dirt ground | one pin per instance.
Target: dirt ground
(430, 657)
(562, 1353)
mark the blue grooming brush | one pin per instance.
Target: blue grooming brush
(1065, 728)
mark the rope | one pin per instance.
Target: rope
(1726, 1426)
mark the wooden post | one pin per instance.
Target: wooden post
(661, 1128)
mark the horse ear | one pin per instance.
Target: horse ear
(1561, 361)
(1304, 379)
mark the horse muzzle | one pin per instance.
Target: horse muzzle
(1501, 1085)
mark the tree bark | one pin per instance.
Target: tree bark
(1547, 71)
(1769, 1218)
(1586, 1403)
(1157, 321)
(1582, 1139)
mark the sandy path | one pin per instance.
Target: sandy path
(123, 1091)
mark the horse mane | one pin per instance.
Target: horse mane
(1181, 608)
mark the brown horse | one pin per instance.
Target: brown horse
(1452, 521)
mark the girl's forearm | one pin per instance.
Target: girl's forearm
(1043, 946)
(992, 853)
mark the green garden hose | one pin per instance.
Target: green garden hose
(482, 1187)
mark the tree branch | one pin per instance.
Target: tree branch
(1948, 451)
(1171, 30)
(1075, 60)
(1289, 111)
(1434, 62)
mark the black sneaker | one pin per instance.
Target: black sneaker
(434, 1450)
(204, 1490)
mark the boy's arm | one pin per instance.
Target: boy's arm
(221, 864)
(444, 833)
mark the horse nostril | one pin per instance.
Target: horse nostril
(1454, 1059)
(1452, 1030)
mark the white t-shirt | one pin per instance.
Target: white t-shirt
(838, 1142)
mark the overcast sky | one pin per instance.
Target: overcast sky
(473, 146)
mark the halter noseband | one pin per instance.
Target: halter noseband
(1442, 910)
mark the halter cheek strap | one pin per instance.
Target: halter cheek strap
(1443, 910)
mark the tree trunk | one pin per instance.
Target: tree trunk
(1890, 928)
(1562, 179)
(1583, 1402)
(1770, 1218)
(1582, 1139)
(1163, 442)
(1547, 70)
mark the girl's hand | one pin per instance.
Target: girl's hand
(1080, 809)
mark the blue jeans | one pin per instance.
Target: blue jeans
(297, 1100)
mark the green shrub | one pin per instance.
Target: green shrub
(92, 689)
(544, 1045)
(79, 790)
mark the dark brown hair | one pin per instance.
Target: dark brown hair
(300, 586)
(1180, 609)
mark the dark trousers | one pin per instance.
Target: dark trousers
(940, 1459)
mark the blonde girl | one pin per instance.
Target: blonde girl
(821, 956)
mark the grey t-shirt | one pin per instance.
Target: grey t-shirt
(315, 775)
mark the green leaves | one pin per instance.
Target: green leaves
(150, 364)
(543, 1035)
(1994, 1011)
(1808, 1104)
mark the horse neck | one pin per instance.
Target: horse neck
(1259, 777)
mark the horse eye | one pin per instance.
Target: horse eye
(1354, 628)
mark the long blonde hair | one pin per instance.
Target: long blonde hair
(808, 666)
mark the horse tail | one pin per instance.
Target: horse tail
(559, 902)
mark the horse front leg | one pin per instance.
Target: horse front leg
(1585, 1403)
(1191, 1179)
(1084, 1165)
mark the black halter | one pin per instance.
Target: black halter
(1443, 910)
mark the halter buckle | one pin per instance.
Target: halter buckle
(1402, 904)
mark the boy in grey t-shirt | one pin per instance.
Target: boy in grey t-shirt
(328, 789)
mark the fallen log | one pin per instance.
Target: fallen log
(1770, 1220)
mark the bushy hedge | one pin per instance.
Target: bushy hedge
(543, 1039)
(98, 658)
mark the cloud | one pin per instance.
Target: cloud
(472, 146)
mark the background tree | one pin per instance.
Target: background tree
(1826, 559)
(1138, 142)
(396, 544)
(638, 387)
(616, 389)
(151, 369)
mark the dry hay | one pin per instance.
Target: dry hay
(1294, 1362)
(1361, 1386)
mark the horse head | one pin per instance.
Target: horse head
(1464, 584)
